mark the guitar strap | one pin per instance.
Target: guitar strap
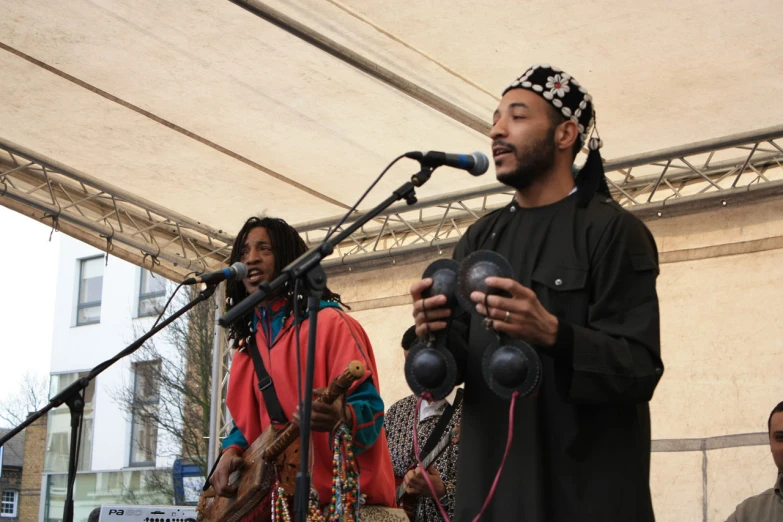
(440, 427)
(266, 386)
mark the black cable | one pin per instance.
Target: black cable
(353, 208)
(297, 324)
(160, 315)
(107, 363)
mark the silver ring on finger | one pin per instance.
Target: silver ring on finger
(508, 315)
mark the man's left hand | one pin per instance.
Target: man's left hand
(324, 417)
(415, 483)
(522, 315)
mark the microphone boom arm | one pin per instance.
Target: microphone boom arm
(313, 257)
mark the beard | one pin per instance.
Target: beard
(534, 162)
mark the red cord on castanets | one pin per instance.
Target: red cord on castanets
(426, 475)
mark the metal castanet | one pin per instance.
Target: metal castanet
(272, 450)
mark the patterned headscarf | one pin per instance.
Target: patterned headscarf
(566, 95)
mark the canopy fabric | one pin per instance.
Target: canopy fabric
(212, 111)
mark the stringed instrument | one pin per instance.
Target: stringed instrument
(407, 501)
(274, 452)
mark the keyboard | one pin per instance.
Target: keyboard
(147, 514)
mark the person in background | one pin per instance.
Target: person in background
(399, 430)
(767, 506)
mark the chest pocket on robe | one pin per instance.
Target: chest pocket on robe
(562, 290)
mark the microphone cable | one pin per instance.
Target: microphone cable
(353, 208)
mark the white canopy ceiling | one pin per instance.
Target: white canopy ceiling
(209, 110)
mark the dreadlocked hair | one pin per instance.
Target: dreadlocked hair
(287, 245)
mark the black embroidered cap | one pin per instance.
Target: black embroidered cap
(562, 91)
(566, 95)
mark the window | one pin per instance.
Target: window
(93, 489)
(144, 428)
(151, 293)
(88, 309)
(58, 430)
(9, 501)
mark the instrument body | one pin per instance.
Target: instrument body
(275, 453)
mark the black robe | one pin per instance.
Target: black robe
(581, 447)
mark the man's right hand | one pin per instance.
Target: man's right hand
(435, 317)
(229, 462)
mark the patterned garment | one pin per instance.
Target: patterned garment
(399, 431)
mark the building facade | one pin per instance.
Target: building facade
(11, 460)
(101, 307)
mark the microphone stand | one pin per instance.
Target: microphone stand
(308, 267)
(73, 397)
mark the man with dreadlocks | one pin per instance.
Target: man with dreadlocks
(266, 245)
(583, 295)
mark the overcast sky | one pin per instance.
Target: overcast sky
(28, 274)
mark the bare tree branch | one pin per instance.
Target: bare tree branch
(183, 377)
(31, 396)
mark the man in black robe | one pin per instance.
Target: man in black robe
(583, 295)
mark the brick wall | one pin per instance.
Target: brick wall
(30, 493)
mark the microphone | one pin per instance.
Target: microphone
(476, 163)
(236, 271)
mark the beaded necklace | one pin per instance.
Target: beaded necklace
(344, 505)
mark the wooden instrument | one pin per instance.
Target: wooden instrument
(407, 501)
(273, 451)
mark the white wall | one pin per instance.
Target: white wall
(80, 348)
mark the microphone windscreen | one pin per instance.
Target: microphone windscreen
(480, 163)
(240, 269)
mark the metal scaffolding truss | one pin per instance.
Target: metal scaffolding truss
(172, 245)
(654, 184)
(129, 227)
